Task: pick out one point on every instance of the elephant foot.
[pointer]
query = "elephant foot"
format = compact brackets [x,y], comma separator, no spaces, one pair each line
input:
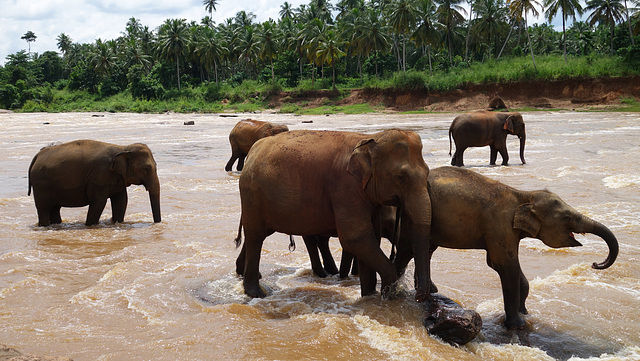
[433,288]
[523,310]
[254,291]
[331,270]
[320,272]
[514,323]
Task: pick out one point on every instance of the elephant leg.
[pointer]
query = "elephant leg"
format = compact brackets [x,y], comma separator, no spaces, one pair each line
[375,260]
[458,158]
[252,249]
[54,215]
[368,279]
[327,257]
[345,264]
[494,155]
[524,292]
[510,280]
[119,206]
[312,243]
[95,210]
[229,165]
[241,162]
[240,261]
[504,154]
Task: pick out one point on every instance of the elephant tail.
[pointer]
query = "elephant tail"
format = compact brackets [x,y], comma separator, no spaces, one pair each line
[238,239]
[29,174]
[449,141]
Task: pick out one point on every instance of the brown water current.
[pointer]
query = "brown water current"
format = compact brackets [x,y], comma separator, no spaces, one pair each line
[168,291]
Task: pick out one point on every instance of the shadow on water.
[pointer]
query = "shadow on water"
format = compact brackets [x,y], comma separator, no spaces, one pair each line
[559,345]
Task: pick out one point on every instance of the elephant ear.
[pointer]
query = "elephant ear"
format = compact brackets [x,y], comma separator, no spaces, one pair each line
[526,220]
[360,162]
[508,124]
[119,163]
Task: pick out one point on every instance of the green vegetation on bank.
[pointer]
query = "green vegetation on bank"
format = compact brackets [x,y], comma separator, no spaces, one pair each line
[403,45]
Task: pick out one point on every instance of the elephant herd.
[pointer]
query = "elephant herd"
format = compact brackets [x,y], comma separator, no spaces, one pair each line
[356,187]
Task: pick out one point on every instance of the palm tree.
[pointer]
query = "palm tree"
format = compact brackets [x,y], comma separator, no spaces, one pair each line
[606,12]
[426,32]
[30,37]
[569,8]
[402,16]
[626,11]
[309,37]
[449,16]
[469,23]
[210,5]
[286,11]
[64,43]
[329,51]
[491,18]
[374,33]
[268,45]
[103,58]
[173,40]
[518,9]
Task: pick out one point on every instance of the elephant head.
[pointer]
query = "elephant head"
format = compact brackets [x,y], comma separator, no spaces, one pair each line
[554,222]
[273,129]
[137,166]
[514,124]
[392,171]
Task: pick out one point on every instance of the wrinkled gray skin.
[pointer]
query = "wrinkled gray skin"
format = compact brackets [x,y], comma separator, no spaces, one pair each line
[471,211]
[482,128]
[244,134]
[331,184]
[88,172]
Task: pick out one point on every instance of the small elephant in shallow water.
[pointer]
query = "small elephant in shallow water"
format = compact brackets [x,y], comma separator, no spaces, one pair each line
[471,211]
[244,134]
[482,128]
[88,172]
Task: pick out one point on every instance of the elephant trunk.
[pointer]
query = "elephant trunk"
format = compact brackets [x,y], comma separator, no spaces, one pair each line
[603,232]
[154,197]
[418,212]
[523,139]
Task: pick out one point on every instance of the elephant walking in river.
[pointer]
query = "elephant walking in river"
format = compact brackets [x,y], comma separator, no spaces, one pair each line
[482,128]
[88,172]
[244,134]
[331,184]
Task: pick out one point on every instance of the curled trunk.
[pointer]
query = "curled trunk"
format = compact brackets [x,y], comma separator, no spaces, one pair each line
[603,232]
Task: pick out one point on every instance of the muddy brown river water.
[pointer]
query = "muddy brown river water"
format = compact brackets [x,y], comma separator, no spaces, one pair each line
[168,291]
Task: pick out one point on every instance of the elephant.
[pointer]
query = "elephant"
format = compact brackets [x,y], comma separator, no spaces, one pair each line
[87,172]
[481,128]
[244,134]
[331,183]
[471,211]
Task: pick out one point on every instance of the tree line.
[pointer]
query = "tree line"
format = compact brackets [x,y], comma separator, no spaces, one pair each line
[341,44]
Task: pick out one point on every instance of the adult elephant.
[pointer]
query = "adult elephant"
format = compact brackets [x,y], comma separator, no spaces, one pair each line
[471,211]
[482,128]
[244,134]
[330,183]
[88,172]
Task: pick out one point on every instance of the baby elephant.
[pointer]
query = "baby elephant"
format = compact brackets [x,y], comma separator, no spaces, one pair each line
[471,211]
[88,172]
[482,128]
[244,134]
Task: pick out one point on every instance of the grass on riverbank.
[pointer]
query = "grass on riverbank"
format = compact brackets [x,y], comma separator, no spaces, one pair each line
[254,96]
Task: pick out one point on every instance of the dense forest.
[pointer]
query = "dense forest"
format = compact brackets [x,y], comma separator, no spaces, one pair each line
[356,43]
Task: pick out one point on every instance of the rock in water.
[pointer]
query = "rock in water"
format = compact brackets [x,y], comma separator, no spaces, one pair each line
[450,322]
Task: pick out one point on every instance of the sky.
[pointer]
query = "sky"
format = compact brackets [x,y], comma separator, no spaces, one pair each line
[84,21]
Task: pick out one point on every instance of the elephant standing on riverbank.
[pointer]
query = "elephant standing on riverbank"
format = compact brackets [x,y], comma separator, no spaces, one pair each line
[244,134]
[88,172]
[331,183]
[482,128]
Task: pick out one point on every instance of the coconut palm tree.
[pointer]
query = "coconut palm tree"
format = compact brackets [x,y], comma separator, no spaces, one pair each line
[64,43]
[518,9]
[427,30]
[607,12]
[373,30]
[286,11]
[29,37]
[402,17]
[173,41]
[268,44]
[328,51]
[210,5]
[449,16]
[491,20]
[568,9]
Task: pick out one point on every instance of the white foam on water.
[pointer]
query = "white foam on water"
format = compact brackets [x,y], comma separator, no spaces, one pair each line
[621,181]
